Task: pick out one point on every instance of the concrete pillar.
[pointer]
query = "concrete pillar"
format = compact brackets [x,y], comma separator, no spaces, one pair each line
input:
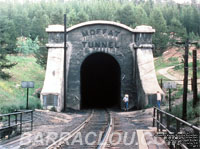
[147,83]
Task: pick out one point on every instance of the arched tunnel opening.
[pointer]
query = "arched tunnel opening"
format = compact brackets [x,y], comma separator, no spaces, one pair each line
[100,82]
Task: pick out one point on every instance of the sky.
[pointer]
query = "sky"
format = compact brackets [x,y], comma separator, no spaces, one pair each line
[182,1]
[178,1]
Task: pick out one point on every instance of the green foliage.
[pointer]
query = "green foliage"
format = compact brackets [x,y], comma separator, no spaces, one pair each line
[161,63]
[160,38]
[172,22]
[7,34]
[180,68]
[39,23]
[176,30]
[41,56]
[4,65]
[125,15]
[12,96]
[173,59]
[27,45]
[53,109]
[178,94]
[192,113]
[193,36]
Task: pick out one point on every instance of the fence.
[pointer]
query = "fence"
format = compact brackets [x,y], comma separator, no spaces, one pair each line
[159,116]
[9,123]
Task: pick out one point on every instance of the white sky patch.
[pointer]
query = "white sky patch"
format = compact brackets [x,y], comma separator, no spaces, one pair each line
[182,1]
[23,1]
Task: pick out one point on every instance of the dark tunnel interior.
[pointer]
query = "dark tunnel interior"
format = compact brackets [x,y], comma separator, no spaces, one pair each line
[100,82]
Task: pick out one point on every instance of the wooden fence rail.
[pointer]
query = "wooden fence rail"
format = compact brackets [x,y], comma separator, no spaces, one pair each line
[8,125]
[158,120]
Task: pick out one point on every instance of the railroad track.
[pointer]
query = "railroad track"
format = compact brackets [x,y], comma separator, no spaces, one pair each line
[92,133]
[20,141]
[98,122]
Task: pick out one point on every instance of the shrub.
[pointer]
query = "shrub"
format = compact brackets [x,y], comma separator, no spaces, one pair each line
[26,45]
[173,59]
[53,109]
[192,113]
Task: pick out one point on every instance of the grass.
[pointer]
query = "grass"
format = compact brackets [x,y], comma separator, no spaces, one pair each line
[12,96]
[192,113]
[180,69]
[161,63]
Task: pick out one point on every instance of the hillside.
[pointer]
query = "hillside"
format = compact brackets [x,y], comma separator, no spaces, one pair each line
[12,96]
[174,57]
[172,61]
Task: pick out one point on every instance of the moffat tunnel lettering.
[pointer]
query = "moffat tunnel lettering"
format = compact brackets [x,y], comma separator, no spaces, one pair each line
[92,32]
[98,44]
[104,61]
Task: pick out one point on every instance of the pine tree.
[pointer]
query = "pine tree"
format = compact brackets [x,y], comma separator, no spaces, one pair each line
[140,16]
[57,15]
[160,38]
[7,44]
[125,15]
[39,23]
[22,23]
[176,31]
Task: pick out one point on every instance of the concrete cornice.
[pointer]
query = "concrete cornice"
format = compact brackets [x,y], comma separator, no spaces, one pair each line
[56,45]
[60,28]
[144,29]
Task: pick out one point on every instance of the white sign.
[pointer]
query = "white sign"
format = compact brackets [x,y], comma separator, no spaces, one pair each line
[169,84]
[27,84]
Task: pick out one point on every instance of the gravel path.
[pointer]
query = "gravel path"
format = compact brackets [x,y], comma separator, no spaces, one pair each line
[175,76]
[48,126]
[126,124]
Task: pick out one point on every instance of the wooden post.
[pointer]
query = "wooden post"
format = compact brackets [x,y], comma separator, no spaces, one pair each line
[195,96]
[9,120]
[170,108]
[9,127]
[168,121]
[20,123]
[154,116]
[157,120]
[177,126]
[31,120]
[15,118]
[161,117]
[192,84]
[27,99]
[185,83]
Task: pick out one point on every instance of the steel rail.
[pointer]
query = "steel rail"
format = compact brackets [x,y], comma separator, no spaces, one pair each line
[62,140]
[105,138]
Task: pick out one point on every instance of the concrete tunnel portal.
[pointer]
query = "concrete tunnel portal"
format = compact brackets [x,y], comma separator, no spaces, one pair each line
[100,82]
[104,61]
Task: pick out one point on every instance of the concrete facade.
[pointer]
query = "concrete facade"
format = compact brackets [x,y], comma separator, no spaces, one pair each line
[131,48]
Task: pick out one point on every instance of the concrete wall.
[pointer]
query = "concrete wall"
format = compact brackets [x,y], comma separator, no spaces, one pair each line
[103,38]
[131,48]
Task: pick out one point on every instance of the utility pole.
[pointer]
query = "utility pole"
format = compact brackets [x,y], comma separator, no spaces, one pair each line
[64,69]
[195,97]
[185,81]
